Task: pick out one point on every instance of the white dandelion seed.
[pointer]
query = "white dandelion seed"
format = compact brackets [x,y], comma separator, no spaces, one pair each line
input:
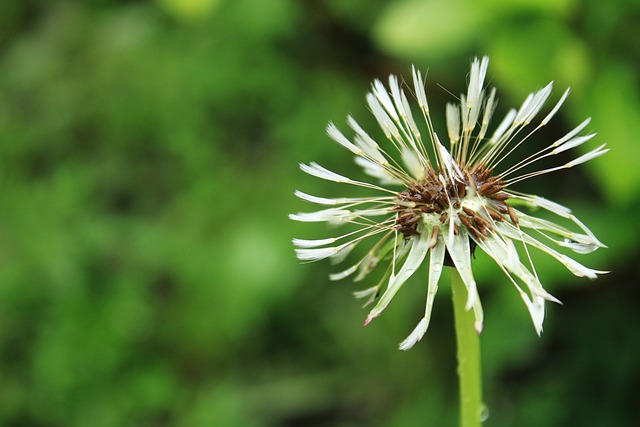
[441,203]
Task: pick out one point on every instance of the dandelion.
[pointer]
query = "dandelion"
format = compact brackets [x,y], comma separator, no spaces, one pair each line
[447,201]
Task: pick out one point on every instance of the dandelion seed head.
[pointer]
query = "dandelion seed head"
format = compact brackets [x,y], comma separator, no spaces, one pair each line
[440,204]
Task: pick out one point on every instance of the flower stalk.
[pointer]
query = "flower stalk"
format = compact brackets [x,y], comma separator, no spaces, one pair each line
[468,343]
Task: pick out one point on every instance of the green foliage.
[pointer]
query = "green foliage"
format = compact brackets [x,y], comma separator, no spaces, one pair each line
[148,155]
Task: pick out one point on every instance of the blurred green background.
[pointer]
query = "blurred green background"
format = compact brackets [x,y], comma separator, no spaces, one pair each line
[148,158]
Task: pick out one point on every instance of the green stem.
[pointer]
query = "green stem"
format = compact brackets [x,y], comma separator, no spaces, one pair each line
[471,407]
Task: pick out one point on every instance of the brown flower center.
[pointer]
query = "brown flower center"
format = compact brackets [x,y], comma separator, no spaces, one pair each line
[430,195]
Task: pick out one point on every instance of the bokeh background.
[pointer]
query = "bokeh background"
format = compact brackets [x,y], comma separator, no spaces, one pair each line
[148,158]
